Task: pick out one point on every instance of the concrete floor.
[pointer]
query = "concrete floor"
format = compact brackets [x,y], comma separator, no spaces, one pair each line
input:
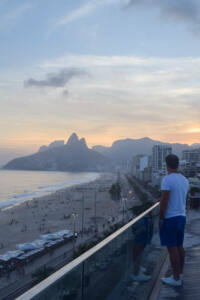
[190,290]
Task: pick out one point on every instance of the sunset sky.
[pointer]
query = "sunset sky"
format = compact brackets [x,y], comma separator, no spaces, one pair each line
[105,69]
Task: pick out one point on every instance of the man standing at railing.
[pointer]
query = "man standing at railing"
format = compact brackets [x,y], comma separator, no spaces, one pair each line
[174,189]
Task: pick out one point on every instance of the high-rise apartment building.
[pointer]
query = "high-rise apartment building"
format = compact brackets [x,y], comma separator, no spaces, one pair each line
[191,156]
[141,167]
[158,158]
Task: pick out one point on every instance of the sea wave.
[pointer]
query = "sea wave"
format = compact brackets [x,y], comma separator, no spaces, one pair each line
[40,190]
[25,195]
[8,203]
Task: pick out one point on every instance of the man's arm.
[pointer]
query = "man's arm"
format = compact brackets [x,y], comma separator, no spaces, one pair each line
[164,203]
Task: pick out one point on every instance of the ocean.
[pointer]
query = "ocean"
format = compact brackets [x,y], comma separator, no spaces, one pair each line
[18,186]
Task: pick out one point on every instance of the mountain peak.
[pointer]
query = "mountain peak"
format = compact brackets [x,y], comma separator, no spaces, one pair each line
[72,139]
[83,142]
[146,138]
[55,144]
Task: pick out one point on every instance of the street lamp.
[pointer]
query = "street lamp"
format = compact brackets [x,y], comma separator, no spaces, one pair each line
[83,214]
[82,209]
[130,192]
[123,205]
[131,195]
[95,212]
[74,215]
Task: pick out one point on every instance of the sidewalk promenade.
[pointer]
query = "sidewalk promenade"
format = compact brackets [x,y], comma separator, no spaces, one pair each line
[191,282]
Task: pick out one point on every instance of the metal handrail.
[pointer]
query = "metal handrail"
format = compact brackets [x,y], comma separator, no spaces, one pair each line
[40,287]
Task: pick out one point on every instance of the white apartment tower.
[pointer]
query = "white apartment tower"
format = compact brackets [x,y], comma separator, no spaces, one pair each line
[158,159]
[192,155]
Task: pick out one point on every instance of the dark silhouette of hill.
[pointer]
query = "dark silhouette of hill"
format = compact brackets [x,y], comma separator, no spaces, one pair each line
[51,145]
[76,156]
[73,156]
[122,150]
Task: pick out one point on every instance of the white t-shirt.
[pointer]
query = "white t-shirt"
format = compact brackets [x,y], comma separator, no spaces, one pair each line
[178,186]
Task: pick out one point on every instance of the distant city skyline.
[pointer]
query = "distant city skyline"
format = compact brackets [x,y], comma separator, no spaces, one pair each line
[106,69]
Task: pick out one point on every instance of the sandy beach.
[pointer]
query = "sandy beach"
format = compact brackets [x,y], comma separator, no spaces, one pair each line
[51,213]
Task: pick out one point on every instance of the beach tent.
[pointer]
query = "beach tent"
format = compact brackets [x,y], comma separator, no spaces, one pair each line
[32,253]
[53,243]
[50,236]
[14,254]
[5,257]
[39,243]
[26,246]
[65,233]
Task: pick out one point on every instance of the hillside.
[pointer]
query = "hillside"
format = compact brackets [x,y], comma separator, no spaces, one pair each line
[73,156]
[122,150]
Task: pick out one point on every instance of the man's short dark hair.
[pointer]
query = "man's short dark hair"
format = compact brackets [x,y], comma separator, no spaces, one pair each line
[172,161]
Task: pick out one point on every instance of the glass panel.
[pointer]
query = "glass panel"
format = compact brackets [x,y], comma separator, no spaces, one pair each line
[145,259]
[126,268]
[69,287]
[106,268]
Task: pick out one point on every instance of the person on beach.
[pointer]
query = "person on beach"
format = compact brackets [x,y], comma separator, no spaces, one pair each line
[174,189]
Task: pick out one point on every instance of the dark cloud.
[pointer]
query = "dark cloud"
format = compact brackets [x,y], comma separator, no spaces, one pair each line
[65,93]
[56,80]
[187,11]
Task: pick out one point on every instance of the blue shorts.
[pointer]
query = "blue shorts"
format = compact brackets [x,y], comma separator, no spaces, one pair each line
[172,231]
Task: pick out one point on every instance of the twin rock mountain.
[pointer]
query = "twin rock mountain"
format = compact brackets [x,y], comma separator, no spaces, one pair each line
[75,156]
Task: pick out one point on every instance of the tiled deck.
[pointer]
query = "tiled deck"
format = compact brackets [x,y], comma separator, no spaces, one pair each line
[190,289]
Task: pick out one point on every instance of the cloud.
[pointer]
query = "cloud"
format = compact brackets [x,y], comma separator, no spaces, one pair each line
[128,95]
[85,61]
[77,14]
[9,19]
[181,10]
[65,93]
[84,10]
[177,10]
[56,80]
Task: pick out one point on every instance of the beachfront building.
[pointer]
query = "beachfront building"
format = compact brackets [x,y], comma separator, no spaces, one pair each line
[191,156]
[194,192]
[159,153]
[141,167]
[136,165]
[191,167]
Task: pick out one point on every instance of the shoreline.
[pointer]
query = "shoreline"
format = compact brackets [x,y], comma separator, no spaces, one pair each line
[50,189]
[51,213]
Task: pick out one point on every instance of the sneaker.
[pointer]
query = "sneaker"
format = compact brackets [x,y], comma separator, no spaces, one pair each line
[140,277]
[171,281]
[180,276]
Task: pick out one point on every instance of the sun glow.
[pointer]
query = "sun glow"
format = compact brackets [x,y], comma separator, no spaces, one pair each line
[194,130]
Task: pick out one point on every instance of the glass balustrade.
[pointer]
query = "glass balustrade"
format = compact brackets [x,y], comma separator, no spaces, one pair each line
[123,266]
